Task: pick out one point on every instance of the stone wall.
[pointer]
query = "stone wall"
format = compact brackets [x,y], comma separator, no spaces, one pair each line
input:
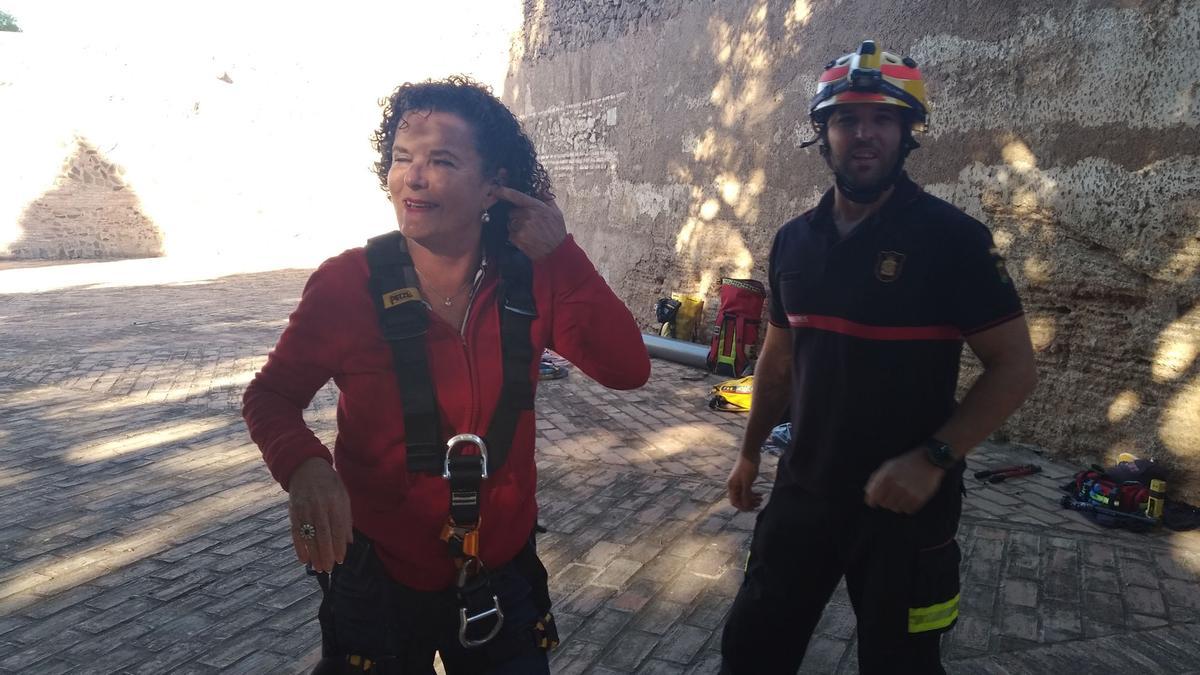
[90,212]
[250,143]
[672,129]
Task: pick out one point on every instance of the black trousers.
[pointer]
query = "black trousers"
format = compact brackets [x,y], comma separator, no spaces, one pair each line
[901,573]
[365,615]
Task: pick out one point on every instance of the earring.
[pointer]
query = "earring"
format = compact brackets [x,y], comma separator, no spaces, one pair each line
[485,218]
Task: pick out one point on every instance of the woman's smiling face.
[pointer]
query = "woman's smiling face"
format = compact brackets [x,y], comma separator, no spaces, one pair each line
[436,179]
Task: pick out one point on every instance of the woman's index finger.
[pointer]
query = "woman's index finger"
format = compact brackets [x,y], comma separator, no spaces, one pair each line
[517,198]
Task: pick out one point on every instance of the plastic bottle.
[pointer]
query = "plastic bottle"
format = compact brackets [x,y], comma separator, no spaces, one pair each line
[1158,493]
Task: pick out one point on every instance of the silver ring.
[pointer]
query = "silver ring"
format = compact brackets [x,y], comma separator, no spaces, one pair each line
[307,531]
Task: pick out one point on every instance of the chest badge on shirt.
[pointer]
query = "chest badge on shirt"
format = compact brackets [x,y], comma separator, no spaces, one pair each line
[888,266]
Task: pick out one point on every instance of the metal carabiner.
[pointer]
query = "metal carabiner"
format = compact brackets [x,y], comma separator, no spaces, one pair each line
[473,440]
[465,621]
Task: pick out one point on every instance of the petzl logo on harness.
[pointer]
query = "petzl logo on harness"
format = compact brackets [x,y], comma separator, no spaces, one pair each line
[888,268]
[399,297]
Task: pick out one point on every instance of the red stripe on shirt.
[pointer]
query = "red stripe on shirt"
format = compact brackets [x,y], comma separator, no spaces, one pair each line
[841,326]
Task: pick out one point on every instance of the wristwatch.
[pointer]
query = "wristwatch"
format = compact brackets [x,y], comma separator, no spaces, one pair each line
[939,454]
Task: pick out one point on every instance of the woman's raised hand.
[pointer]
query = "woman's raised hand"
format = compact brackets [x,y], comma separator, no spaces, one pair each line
[534,226]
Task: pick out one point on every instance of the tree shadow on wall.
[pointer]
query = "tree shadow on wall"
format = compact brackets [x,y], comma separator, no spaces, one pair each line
[1111,288]
[91,212]
[1103,241]
[718,144]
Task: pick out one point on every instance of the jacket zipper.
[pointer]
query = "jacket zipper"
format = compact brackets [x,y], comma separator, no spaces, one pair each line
[472,375]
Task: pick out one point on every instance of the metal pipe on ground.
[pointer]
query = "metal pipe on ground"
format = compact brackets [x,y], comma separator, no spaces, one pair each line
[686,353]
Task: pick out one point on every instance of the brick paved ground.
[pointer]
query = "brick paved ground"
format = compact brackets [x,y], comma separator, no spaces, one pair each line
[141,533]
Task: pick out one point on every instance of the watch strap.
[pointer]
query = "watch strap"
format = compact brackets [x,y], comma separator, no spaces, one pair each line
[940,454]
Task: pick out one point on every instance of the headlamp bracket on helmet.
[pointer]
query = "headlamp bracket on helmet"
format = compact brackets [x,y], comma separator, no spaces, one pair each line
[865,79]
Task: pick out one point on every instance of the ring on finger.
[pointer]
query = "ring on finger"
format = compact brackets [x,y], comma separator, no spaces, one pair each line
[307,531]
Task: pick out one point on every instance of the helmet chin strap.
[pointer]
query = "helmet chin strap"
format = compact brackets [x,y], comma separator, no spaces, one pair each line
[869,195]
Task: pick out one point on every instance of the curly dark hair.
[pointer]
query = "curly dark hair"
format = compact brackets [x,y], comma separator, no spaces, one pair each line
[499,138]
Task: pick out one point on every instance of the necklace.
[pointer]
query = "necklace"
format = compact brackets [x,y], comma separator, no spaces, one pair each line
[448,300]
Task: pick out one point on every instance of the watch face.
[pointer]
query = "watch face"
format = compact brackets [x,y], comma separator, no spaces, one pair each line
[940,453]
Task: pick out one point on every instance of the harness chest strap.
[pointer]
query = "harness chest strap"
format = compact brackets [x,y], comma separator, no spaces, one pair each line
[404,321]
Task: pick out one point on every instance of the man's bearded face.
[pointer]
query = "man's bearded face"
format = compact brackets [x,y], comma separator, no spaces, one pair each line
[864,143]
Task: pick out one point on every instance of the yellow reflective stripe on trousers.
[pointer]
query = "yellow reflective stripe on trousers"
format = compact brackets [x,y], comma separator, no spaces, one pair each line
[933,617]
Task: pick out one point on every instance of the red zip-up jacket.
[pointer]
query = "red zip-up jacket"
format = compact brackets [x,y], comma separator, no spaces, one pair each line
[334,333]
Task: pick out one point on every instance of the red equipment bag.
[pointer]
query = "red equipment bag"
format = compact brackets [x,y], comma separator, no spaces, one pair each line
[1097,487]
[735,334]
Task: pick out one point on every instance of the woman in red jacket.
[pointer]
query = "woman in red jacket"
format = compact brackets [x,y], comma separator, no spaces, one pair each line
[433,551]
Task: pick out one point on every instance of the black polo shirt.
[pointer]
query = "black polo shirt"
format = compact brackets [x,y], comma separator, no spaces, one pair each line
[878,321]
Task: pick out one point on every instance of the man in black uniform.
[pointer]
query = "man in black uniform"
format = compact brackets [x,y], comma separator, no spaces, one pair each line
[873,293]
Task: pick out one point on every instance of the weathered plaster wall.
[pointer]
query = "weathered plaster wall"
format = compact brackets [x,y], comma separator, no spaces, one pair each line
[672,129]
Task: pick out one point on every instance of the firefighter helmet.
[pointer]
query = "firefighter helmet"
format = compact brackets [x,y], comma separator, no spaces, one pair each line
[871,75]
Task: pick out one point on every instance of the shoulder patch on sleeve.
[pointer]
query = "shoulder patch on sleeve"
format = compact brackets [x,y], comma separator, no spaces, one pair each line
[1001,267]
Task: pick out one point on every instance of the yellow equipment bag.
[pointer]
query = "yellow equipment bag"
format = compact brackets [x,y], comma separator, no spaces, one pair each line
[688,317]
[732,395]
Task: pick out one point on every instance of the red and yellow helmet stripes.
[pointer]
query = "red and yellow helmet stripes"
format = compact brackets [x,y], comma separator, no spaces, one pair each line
[871,75]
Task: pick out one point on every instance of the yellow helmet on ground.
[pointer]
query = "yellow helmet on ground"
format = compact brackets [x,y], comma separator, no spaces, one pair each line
[871,75]
[732,395]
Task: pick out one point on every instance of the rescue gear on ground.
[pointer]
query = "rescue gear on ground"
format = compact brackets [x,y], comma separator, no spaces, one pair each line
[732,395]
[664,312]
[1130,495]
[552,366]
[1109,502]
[1005,472]
[1172,514]
[736,332]
[1130,468]
[679,315]
[1096,486]
[1158,494]
[779,439]
[1109,517]
[687,319]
